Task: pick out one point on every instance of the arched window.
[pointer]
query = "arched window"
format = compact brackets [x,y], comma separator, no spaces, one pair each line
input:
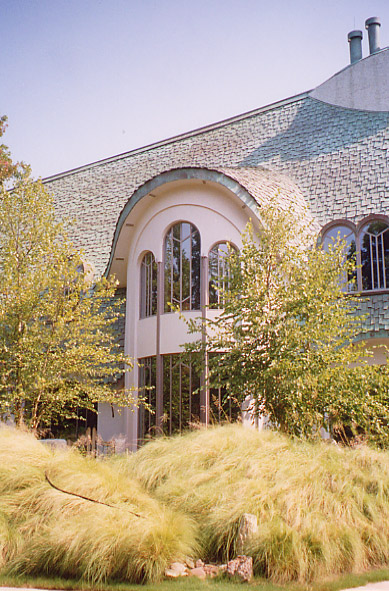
[148,286]
[346,234]
[374,245]
[182,267]
[219,273]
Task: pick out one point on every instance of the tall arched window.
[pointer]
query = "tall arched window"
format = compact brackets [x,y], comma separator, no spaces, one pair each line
[219,273]
[182,267]
[346,234]
[374,245]
[148,286]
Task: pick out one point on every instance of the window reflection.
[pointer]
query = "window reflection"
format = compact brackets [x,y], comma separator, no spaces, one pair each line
[148,286]
[181,394]
[374,241]
[219,273]
[345,234]
[182,267]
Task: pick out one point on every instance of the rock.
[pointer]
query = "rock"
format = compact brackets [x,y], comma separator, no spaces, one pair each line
[177,569]
[241,566]
[199,563]
[189,563]
[198,572]
[248,528]
[211,570]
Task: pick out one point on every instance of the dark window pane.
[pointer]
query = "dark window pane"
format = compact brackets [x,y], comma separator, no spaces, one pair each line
[181,396]
[219,273]
[147,383]
[345,234]
[182,267]
[148,286]
[374,255]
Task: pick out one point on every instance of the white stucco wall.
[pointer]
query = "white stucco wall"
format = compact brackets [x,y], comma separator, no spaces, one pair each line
[219,215]
[363,85]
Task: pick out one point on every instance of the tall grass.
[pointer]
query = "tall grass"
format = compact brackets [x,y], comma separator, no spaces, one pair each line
[44,531]
[322,509]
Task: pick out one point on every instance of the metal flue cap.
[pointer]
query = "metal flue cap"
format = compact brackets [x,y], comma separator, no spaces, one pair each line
[354,34]
[373,27]
[355,40]
[373,20]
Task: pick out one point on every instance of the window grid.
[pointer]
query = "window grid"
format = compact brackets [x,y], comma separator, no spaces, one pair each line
[182,267]
[147,391]
[181,400]
[219,273]
[374,248]
[148,286]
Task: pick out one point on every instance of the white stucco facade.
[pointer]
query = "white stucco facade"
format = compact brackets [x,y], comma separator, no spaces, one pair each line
[220,216]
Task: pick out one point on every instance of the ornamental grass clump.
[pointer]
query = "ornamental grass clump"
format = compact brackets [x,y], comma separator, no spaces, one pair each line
[322,509]
[45,531]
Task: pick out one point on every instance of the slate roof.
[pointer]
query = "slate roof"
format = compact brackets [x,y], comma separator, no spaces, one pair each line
[337,157]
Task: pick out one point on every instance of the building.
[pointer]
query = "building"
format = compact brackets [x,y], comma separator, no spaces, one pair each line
[159,217]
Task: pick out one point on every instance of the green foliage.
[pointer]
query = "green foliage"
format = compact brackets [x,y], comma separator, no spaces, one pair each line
[58,347]
[286,335]
[322,509]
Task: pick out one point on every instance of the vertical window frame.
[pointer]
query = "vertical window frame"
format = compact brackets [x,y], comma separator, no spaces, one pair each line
[148,293]
[219,278]
[174,289]
[376,260]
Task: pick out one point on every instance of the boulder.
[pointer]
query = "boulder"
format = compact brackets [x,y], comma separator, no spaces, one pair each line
[248,528]
[211,570]
[242,567]
[198,572]
[177,569]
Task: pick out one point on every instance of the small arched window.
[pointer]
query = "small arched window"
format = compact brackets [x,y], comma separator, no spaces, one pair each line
[219,273]
[148,286]
[374,245]
[343,233]
[182,267]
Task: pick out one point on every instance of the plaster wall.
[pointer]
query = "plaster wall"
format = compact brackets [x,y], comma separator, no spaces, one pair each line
[219,215]
[363,85]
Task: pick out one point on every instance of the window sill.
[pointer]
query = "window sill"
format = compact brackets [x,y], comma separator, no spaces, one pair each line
[370,292]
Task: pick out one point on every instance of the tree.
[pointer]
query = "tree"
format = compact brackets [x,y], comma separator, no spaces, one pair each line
[286,337]
[58,346]
[8,168]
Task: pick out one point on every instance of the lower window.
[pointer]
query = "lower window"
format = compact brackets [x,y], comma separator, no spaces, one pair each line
[181,394]
[147,391]
[181,397]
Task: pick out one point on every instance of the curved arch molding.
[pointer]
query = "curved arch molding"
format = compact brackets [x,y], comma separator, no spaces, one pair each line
[253,186]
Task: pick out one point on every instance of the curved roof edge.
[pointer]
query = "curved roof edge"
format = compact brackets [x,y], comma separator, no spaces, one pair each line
[362,86]
[253,186]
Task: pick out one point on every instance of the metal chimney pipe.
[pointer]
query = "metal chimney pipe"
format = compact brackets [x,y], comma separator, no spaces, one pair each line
[373,28]
[355,40]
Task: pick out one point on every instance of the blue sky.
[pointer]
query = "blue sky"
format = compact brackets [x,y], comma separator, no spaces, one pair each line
[87,79]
